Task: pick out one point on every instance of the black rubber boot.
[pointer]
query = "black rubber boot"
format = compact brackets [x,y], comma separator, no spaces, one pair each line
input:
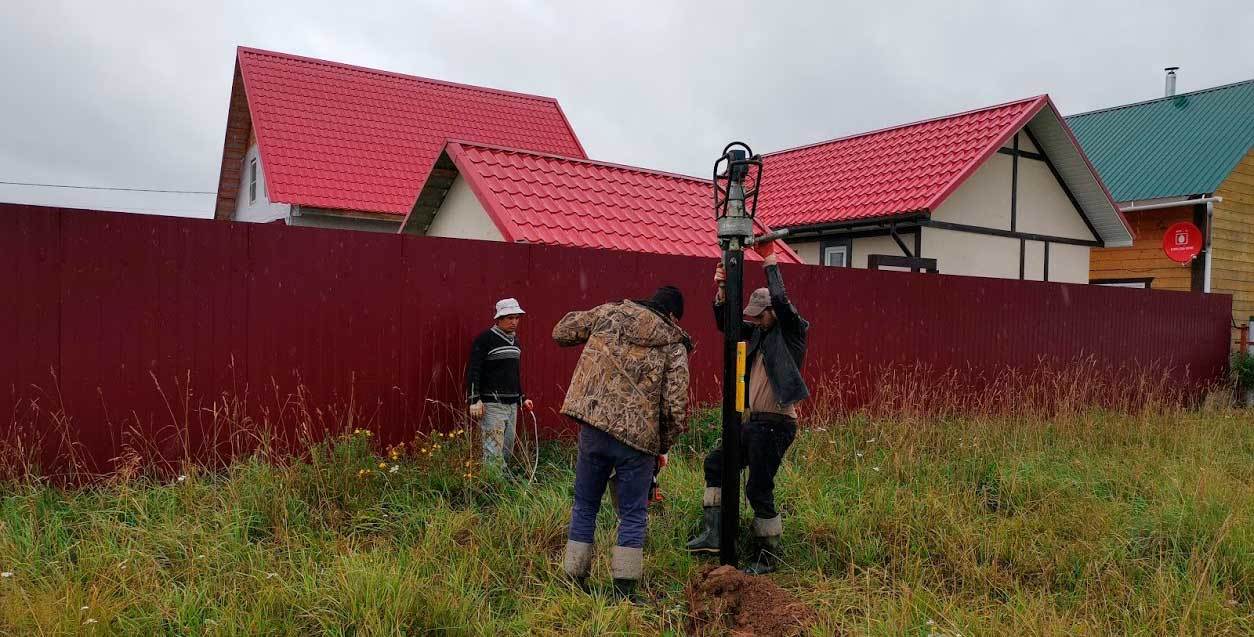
[707,541]
[625,589]
[766,551]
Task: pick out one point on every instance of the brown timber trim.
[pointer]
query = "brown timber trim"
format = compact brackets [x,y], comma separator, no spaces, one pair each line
[960,227]
[239,126]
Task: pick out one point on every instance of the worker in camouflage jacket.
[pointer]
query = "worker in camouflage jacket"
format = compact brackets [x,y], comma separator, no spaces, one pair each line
[630,396]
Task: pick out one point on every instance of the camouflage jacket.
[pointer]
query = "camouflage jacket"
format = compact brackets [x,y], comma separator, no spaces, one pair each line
[632,378]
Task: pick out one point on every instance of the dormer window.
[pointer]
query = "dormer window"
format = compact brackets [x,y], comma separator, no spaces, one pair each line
[252,180]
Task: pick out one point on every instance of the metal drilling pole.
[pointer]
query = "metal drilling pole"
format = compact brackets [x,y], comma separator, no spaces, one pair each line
[733,262]
[734,229]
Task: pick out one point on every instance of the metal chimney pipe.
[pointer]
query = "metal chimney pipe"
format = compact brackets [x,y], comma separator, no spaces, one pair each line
[1170,89]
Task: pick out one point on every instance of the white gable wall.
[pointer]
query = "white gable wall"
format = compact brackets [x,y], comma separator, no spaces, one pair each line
[461,216]
[1068,263]
[982,200]
[261,210]
[1042,207]
[972,254]
[808,251]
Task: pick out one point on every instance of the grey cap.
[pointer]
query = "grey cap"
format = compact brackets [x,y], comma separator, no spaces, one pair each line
[759,301]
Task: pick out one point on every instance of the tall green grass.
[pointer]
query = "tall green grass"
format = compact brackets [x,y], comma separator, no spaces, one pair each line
[1089,523]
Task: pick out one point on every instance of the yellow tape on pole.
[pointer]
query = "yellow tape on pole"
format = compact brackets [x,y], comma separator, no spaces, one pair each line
[740,376]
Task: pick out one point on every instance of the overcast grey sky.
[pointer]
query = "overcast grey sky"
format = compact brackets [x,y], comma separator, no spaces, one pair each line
[134,94]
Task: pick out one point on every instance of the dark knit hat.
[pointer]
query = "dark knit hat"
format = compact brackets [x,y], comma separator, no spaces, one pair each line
[669,299]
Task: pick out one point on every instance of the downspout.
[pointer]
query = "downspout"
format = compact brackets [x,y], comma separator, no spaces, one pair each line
[1210,216]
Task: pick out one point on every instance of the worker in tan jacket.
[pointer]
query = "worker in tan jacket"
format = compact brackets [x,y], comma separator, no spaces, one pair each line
[630,396]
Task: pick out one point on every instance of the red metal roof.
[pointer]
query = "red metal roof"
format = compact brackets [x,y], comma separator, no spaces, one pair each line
[567,201]
[904,169]
[346,137]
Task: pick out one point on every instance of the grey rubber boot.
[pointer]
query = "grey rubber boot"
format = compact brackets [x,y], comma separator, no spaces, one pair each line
[766,546]
[626,566]
[707,541]
[577,563]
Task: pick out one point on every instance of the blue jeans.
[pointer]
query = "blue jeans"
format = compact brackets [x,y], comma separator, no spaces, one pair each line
[599,455]
[497,425]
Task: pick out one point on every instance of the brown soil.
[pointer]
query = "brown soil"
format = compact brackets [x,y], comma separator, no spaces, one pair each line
[724,600]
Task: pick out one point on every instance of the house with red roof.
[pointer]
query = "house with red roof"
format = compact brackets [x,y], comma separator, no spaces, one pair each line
[317,143]
[1003,191]
[506,194]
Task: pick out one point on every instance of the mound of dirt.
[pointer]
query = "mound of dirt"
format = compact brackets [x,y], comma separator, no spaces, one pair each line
[723,599]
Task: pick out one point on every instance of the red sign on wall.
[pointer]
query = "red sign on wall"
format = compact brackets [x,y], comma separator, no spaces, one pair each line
[1182,242]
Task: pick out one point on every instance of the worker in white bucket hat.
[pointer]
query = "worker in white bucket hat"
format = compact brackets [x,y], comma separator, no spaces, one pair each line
[494,382]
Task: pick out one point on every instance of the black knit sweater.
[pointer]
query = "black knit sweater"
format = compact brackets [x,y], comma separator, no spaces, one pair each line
[492,374]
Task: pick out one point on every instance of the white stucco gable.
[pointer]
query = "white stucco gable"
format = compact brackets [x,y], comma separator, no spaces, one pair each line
[1041,207]
[461,216]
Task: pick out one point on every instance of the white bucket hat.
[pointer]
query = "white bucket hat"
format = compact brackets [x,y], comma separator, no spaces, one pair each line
[508,307]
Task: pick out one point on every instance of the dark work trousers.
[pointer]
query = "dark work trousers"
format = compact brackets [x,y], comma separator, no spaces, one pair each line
[763,442]
[599,455]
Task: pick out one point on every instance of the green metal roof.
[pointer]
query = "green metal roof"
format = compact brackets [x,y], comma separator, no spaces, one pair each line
[1172,146]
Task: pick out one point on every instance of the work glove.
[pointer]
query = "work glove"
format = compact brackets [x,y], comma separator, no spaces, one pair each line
[764,249]
[655,491]
[476,410]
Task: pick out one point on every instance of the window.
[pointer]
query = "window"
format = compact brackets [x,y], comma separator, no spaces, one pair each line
[252,180]
[836,253]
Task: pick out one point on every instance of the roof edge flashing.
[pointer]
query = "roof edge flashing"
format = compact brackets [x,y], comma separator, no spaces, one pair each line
[1054,136]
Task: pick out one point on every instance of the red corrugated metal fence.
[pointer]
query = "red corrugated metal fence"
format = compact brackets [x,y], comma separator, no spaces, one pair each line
[118,305]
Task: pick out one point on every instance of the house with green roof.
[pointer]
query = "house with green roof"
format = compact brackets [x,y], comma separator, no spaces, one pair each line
[1186,157]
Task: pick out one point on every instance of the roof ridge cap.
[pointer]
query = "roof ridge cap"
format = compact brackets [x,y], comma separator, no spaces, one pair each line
[1117,107]
[394,74]
[593,162]
[906,125]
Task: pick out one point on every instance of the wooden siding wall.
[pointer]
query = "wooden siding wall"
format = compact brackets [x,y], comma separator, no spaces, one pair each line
[1145,258]
[1232,266]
